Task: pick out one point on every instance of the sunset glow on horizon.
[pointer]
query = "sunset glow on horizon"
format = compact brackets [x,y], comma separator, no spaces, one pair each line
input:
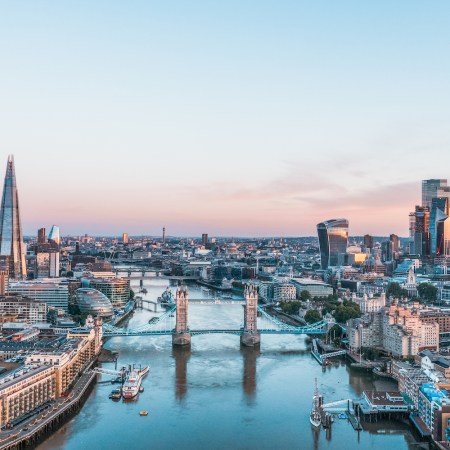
[232,119]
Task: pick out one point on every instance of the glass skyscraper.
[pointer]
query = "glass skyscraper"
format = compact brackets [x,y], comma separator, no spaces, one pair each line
[442,234]
[438,205]
[54,235]
[11,241]
[434,188]
[333,238]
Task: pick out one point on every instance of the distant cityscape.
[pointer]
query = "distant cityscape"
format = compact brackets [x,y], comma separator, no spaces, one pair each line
[380,302]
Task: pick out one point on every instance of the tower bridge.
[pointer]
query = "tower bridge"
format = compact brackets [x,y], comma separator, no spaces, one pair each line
[174,322]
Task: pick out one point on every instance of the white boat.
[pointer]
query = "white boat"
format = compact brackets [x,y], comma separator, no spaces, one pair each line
[315,417]
[133,382]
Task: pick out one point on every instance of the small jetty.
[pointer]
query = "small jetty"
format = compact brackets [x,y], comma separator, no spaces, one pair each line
[323,358]
[354,420]
[344,409]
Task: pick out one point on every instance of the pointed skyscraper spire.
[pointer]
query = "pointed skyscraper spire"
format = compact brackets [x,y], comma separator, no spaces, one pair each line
[11,240]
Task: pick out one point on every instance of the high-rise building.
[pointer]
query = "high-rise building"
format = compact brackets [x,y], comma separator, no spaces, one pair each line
[333,238]
[47,264]
[387,251]
[395,242]
[368,242]
[432,189]
[11,241]
[42,238]
[419,231]
[125,238]
[54,235]
[442,235]
[205,239]
[437,204]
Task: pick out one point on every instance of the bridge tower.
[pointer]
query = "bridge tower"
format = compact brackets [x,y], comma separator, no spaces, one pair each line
[182,335]
[250,336]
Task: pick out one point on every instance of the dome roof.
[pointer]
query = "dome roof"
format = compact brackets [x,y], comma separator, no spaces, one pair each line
[94,302]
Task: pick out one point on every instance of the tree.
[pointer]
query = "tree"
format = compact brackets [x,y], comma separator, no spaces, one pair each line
[346,311]
[331,303]
[305,295]
[370,353]
[396,291]
[312,316]
[427,292]
[290,307]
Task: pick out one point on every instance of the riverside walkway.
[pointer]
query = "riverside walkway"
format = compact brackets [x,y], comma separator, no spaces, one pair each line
[32,430]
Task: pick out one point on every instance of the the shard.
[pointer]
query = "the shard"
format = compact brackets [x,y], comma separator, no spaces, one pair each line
[11,240]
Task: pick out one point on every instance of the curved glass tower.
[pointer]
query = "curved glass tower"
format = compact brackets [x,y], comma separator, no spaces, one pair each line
[333,237]
[54,234]
[11,241]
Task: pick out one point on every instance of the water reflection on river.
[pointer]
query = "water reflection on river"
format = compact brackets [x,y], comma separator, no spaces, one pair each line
[220,396]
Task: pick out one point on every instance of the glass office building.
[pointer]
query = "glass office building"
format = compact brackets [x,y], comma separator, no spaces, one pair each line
[432,189]
[54,235]
[53,293]
[94,302]
[438,205]
[11,241]
[116,289]
[333,238]
[442,234]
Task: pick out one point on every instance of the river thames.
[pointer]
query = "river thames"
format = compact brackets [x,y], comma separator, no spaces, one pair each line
[221,396]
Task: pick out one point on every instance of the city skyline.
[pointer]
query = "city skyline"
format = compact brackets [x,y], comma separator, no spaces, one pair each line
[255,119]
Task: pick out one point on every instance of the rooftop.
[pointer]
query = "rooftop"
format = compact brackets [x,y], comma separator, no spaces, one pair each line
[434,394]
[19,374]
[380,398]
[309,281]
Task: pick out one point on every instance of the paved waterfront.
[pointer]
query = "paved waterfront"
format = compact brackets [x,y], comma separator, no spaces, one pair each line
[36,422]
[218,396]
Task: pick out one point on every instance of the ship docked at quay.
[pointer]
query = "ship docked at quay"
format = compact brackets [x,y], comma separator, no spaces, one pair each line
[315,416]
[133,382]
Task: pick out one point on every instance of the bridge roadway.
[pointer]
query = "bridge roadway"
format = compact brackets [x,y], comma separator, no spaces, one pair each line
[131,333]
[166,327]
[205,301]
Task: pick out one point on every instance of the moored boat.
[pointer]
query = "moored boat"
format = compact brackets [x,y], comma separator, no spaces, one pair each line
[133,382]
[315,417]
[116,394]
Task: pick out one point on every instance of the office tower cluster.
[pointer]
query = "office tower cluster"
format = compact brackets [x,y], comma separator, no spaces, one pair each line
[429,226]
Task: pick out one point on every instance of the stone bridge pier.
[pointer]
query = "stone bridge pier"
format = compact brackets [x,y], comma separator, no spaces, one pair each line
[182,335]
[250,337]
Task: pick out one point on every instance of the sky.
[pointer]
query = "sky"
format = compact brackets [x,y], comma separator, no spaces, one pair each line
[236,118]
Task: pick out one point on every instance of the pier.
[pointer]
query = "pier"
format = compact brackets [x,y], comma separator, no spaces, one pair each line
[321,358]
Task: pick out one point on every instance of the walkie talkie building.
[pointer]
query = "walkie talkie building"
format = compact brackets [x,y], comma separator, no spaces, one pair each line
[333,237]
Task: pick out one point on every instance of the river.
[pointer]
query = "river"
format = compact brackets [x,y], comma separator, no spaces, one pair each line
[219,396]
